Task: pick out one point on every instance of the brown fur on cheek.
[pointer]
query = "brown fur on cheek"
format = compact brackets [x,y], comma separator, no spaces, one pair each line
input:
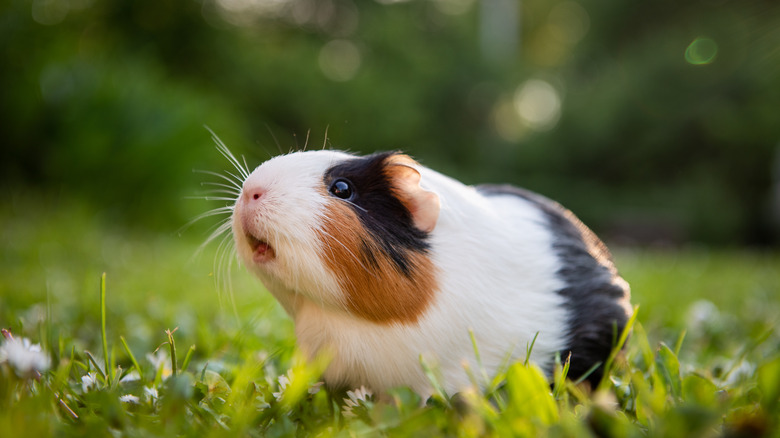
[375,288]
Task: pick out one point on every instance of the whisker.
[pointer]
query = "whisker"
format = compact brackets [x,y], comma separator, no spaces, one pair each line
[349,298]
[211,198]
[246,166]
[278,146]
[350,252]
[306,143]
[325,140]
[222,280]
[227,188]
[221,228]
[231,257]
[233,183]
[214,212]
[234,161]
[244,172]
[215,231]
[333,255]
[228,191]
[297,147]
[226,244]
[227,154]
[228,209]
[223,185]
[355,205]
[235,176]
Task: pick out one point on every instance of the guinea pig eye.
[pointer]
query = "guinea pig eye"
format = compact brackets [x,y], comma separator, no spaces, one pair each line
[342,188]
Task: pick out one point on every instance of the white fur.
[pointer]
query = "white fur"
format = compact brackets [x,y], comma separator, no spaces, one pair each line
[288,216]
[496,275]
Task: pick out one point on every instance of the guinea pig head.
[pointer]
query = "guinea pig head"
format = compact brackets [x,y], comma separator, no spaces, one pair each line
[347,233]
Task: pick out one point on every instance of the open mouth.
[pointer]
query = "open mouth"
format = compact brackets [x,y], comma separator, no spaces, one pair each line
[261,250]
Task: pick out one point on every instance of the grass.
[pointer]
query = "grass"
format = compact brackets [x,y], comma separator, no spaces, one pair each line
[152,348]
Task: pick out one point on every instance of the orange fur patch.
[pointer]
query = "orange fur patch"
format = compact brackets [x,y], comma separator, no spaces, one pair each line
[375,288]
[423,205]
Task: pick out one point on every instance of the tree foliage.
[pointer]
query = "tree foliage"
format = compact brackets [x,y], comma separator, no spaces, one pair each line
[654,122]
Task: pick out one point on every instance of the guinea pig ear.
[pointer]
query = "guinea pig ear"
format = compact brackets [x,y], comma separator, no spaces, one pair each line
[422,204]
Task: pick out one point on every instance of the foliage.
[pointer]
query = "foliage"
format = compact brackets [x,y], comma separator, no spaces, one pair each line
[646,120]
[178,364]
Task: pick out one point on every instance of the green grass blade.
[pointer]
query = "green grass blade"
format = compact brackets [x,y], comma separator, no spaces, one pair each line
[187,358]
[482,370]
[560,376]
[438,389]
[132,357]
[97,367]
[172,344]
[618,347]
[529,349]
[669,368]
[103,324]
[678,344]
[587,373]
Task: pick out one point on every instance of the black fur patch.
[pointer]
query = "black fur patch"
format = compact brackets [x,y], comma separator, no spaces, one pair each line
[591,294]
[382,214]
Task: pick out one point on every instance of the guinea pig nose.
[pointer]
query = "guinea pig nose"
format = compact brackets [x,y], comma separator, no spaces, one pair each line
[254,194]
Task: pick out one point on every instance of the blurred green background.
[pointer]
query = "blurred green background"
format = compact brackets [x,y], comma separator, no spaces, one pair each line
[658,123]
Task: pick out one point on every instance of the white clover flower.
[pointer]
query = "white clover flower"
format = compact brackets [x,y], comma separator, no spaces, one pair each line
[88,381]
[740,372]
[357,397]
[160,359]
[261,404]
[284,381]
[150,393]
[315,387]
[132,376]
[130,398]
[703,313]
[24,357]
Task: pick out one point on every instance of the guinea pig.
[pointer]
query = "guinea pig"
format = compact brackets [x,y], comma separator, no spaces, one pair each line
[381,261]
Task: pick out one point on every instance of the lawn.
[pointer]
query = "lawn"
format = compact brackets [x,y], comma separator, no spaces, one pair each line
[703,359]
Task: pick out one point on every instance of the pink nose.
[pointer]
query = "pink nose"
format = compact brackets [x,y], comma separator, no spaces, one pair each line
[253,194]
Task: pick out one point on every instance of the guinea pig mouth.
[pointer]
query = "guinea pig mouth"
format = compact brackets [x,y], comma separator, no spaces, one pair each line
[261,250]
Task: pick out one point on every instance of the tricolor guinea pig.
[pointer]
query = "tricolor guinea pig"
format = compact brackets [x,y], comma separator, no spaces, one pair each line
[381,261]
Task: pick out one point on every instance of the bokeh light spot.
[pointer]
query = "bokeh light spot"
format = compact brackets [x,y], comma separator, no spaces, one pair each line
[701,51]
[49,12]
[454,7]
[538,104]
[339,60]
[570,22]
[506,123]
